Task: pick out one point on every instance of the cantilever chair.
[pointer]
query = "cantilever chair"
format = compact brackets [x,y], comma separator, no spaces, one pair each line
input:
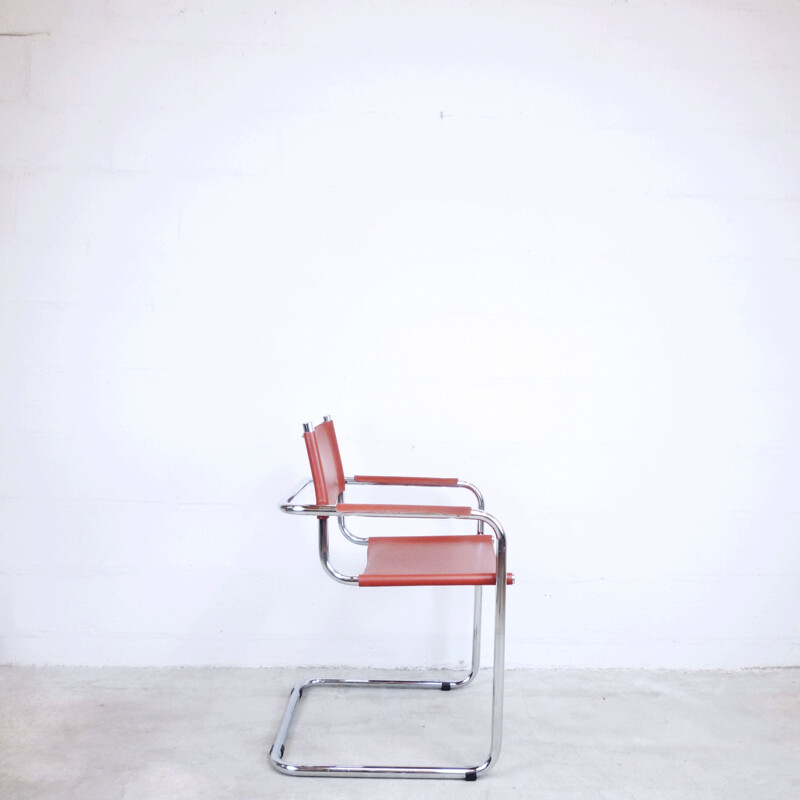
[474,559]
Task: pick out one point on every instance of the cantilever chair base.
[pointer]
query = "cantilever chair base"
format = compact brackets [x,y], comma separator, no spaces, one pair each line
[469,773]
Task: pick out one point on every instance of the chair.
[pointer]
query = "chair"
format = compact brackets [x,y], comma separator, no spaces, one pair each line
[474,559]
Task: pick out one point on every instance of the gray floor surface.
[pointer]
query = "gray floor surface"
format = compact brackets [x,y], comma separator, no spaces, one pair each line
[139,734]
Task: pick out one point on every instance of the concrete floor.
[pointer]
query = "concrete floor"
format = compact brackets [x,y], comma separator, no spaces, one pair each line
[139,734]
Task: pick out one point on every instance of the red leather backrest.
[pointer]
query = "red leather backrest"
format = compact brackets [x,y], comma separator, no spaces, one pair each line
[325,462]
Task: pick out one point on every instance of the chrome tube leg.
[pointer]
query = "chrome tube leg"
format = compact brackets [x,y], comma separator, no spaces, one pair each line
[476,642]
[498,684]
[498,687]
[476,631]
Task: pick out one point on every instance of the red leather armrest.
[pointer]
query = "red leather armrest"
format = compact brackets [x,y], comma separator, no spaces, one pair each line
[390,480]
[402,510]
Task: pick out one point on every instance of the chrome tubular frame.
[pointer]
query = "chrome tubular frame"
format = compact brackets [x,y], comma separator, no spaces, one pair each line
[346,532]
[325,559]
[470,772]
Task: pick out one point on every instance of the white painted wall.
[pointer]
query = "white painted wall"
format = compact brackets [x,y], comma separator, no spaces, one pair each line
[551,247]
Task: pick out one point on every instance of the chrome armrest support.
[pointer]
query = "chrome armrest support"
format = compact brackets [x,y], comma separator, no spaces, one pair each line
[347,533]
